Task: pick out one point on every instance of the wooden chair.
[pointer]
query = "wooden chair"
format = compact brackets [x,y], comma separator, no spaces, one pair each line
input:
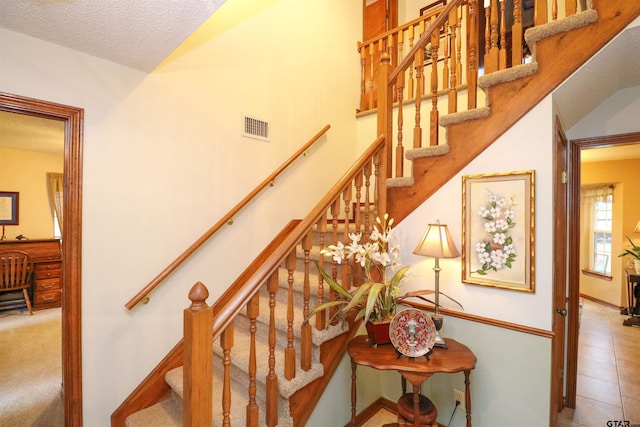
[15,275]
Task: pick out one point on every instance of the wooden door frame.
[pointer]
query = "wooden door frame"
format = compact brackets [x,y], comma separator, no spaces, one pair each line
[560,198]
[73,119]
[573,220]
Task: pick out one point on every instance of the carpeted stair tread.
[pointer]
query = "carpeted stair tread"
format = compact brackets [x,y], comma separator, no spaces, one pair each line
[162,414]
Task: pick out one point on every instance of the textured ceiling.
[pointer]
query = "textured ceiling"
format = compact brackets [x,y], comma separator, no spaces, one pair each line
[137,33]
[615,67]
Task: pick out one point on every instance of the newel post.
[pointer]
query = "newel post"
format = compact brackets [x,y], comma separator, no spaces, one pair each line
[385,127]
[198,359]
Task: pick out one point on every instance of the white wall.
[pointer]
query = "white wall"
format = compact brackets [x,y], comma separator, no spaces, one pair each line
[502,355]
[164,160]
[615,115]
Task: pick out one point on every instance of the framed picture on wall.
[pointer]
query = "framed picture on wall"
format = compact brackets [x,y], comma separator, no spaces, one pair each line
[9,208]
[498,230]
[431,6]
[441,52]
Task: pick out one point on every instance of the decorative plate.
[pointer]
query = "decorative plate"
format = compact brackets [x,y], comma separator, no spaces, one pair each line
[412,332]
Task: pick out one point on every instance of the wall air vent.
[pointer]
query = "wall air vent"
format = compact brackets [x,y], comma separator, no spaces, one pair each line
[254,128]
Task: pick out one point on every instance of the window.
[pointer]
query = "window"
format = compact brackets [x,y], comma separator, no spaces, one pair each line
[597,218]
[56,226]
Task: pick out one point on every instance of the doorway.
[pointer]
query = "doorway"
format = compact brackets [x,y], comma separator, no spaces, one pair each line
[71,246]
[574,153]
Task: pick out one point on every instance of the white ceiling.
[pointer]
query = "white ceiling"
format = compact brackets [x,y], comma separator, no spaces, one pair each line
[137,33]
[615,67]
[141,33]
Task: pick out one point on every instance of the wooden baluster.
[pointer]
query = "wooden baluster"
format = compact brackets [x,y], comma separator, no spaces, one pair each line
[540,12]
[487,36]
[357,212]
[253,310]
[290,351]
[335,212]
[226,342]
[417,130]
[421,88]
[371,100]
[346,265]
[367,197]
[400,57]
[494,49]
[446,56]
[321,318]
[472,55]
[400,136]
[502,56]
[271,411]
[453,80]
[410,86]
[358,181]
[198,359]
[378,176]
[554,10]
[435,114]
[305,333]
[516,34]
[363,78]
[459,48]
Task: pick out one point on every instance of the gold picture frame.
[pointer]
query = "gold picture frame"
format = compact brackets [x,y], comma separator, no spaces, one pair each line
[498,230]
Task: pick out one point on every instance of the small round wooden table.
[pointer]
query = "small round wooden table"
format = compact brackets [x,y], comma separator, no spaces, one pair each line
[456,358]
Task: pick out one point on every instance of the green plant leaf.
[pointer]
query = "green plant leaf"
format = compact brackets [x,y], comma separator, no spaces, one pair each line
[334,285]
[372,297]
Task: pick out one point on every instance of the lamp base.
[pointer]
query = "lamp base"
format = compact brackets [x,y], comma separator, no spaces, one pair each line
[438,321]
[440,342]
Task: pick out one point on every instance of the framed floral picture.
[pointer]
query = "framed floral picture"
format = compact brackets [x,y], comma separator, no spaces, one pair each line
[498,223]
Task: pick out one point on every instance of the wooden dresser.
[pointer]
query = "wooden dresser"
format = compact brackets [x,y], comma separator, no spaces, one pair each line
[46,254]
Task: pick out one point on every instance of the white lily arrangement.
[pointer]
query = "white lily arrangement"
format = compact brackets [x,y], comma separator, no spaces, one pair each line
[376,298]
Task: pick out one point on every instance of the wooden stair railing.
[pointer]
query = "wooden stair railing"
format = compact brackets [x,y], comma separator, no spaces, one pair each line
[467,138]
[350,205]
[437,58]
[142,295]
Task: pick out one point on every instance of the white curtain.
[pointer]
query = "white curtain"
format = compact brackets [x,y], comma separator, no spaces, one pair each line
[55,184]
[589,196]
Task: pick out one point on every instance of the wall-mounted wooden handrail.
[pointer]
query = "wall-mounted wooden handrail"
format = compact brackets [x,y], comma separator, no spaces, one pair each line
[248,283]
[218,225]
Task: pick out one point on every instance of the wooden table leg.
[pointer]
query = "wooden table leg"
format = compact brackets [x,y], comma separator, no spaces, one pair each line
[353,392]
[416,405]
[467,394]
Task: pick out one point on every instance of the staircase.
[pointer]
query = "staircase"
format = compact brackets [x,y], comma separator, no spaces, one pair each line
[168,412]
[282,281]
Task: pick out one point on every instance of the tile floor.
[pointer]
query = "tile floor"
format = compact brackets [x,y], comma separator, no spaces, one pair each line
[608,386]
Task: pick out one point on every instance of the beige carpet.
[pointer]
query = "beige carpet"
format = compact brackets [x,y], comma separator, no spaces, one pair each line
[31,369]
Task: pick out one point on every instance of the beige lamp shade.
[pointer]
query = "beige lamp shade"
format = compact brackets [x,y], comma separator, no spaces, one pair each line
[437,242]
[637,229]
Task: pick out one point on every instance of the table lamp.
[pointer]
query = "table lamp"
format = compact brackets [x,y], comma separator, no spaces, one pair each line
[437,242]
